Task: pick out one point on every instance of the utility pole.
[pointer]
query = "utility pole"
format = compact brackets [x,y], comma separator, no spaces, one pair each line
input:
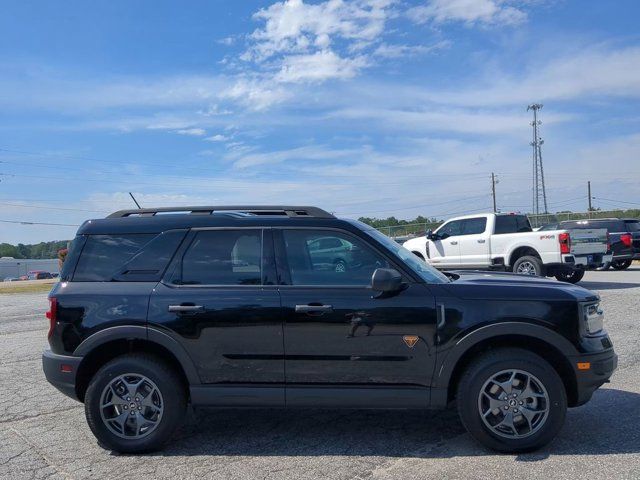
[493,191]
[539,193]
[589,193]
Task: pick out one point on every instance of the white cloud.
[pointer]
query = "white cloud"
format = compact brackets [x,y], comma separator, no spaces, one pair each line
[293,26]
[217,138]
[385,50]
[192,132]
[588,71]
[487,12]
[319,66]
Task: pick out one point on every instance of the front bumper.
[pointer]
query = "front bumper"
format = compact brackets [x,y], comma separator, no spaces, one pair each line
[60,371]
[601,367]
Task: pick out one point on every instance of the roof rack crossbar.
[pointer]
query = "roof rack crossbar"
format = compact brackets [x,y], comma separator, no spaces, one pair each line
[290,211]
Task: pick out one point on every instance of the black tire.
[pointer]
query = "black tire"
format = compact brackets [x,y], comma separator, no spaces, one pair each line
[168,382]
[419,255]
[570,276]
[621,264]
[484,368]
[535,263]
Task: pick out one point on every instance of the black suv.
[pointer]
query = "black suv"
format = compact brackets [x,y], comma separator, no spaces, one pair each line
[624,237]
[234,307]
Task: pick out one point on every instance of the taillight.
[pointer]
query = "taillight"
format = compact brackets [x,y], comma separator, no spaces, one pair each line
[565,242]
[52,314]
[626,239]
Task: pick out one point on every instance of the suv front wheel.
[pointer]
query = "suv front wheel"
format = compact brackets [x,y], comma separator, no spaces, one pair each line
[134,403]
[512,400]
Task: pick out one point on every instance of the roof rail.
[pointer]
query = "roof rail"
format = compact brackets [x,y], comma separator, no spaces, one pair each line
[290,211]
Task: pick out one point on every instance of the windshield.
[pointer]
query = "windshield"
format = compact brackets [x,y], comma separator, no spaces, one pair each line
[422,268]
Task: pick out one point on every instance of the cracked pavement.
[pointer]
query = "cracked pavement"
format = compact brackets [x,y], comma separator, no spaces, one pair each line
[43,434]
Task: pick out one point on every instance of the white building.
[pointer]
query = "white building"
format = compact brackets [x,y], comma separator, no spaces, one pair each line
[15,267]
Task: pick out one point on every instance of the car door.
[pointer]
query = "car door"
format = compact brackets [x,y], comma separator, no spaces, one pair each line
[219,300]
[445,251]
[339,338]
[474,243]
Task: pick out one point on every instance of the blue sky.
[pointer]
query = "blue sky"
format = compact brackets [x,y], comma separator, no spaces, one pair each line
[364,107]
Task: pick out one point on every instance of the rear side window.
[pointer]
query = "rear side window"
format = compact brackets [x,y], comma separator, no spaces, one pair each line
[222,257]
[511,224]
[632,226]
[104,255]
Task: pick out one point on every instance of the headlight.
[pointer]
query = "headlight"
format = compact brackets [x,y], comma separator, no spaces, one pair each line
[593,318]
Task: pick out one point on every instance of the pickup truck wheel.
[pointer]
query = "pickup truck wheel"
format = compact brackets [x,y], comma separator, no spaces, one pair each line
[570,276]
[528,265]
[134,403]
[621,264]
[512,400]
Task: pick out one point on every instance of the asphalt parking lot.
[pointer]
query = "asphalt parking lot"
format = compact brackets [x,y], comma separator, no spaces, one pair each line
[44,435]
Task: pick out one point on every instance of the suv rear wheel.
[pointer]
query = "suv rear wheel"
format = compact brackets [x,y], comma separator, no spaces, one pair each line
[134,403]
[570,276]
[512,400]
[621,264]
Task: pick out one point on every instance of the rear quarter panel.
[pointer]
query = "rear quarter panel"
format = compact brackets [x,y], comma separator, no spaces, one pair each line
[85,308]
[545,243]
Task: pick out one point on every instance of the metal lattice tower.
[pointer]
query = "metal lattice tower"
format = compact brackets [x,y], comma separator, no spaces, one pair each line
[539,193]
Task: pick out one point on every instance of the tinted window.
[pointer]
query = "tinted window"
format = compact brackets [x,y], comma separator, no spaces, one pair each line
[352,263]
[222,257]
[451,228]
[104,255]
[611,226]
[149,264]
[511,224]
[632,226]
[472,226]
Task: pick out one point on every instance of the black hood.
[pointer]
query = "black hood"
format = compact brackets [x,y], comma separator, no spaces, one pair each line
[509,286]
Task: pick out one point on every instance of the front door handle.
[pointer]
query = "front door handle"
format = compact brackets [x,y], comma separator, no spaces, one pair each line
[185,308]
[481,240]
[454,243]
[314,309]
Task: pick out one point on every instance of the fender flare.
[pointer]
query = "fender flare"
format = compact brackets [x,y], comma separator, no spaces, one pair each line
[140,332]
[471,339]
[515,247]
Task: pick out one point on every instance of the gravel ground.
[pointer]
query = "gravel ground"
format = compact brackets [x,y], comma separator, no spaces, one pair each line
[44,435]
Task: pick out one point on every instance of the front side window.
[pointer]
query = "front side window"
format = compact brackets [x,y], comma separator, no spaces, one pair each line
[318,257]
[450,229]
[222,257]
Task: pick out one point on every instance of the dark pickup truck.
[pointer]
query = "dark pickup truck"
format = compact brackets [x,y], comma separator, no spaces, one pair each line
[291,307]
[624,237]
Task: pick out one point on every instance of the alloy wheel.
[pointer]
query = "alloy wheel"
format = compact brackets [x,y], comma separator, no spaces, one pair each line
[513,404]
[131,406]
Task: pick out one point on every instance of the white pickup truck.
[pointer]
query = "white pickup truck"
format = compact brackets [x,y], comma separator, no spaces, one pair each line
[507,242]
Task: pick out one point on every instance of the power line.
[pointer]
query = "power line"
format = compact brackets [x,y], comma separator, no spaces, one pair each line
[43,207]
[25,222]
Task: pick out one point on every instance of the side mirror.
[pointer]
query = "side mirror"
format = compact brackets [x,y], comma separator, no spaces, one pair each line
[429,234]
[386,280]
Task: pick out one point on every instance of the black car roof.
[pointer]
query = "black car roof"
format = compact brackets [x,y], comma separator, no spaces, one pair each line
[162,219]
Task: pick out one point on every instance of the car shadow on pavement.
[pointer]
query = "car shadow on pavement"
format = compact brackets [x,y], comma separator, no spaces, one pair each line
[598,428]
[607,285]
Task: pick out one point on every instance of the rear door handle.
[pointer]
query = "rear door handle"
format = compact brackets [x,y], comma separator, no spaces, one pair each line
[314,309]
[454,243]
[481,240]
[185,308]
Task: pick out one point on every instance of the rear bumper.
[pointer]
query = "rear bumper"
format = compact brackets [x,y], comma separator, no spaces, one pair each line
[601,367]
[588,261]
[60,371]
